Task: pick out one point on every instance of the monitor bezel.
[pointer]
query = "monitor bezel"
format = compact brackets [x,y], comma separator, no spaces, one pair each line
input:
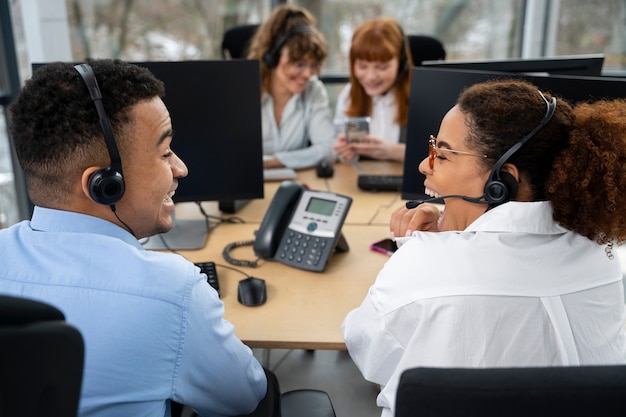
[580,65]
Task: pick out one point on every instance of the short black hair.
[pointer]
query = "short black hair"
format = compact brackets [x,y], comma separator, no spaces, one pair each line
[55,127]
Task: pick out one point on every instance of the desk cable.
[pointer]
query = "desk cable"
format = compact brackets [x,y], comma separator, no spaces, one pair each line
[361,168]
[239,262]
[380,207]
[234,269]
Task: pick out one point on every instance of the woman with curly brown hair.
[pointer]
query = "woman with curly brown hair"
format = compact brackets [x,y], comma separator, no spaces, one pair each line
[296,119]
[522,270]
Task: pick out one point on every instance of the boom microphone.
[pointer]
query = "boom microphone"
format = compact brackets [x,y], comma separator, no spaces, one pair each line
[414,203]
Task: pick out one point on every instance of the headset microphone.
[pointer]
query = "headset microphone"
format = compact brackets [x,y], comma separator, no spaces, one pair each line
[414,203]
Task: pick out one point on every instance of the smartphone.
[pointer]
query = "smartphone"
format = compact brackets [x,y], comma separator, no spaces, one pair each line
[386,246]
[357,128]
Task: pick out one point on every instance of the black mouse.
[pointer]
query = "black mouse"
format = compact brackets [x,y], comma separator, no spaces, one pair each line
[325,169]
[251,291]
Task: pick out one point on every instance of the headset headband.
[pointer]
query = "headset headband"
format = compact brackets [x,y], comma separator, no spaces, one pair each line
[86,72]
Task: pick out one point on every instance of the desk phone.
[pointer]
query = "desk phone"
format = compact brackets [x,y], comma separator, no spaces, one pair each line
[302,227]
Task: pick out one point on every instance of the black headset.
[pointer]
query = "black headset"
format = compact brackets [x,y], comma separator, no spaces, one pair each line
[106,185]
[403,60]
[502,186]
[272,57]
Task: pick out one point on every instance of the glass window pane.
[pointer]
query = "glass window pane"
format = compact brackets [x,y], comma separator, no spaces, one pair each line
[156,30]
[469,29]
[593,26]
[486,29]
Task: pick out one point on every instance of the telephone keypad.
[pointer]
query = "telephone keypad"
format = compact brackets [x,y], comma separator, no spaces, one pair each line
[301,250]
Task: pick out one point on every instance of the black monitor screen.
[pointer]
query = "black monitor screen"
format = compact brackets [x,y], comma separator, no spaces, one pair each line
[590,65]
[435,90]
[216,114]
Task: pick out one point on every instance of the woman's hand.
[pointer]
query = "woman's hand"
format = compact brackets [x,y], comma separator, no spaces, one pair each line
[380,149]
[272,163]
[343,149]
[405,221]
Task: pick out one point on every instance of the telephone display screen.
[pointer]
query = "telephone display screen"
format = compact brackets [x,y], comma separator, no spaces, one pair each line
[321,206]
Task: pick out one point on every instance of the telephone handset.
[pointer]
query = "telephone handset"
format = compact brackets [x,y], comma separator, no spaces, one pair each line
[302,227]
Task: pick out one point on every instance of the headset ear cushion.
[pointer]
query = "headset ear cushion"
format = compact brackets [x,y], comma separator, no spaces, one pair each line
[106,186]
[269,59]
[502,190]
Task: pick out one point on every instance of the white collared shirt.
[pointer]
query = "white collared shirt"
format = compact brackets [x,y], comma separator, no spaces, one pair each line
[306,133]
[513,289]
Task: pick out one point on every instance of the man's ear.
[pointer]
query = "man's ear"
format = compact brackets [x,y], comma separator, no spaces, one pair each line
[84,180]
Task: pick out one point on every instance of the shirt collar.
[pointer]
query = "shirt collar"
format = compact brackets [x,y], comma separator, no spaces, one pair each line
[525,217]
[52,220]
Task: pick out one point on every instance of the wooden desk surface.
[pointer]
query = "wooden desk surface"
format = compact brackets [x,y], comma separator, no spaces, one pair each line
[367,207]
[304,310]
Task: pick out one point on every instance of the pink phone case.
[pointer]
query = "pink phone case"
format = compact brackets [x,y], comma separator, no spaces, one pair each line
[386,246]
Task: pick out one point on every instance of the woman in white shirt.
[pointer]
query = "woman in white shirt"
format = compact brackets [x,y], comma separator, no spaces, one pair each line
[380,76]
[520,268]
[296,119]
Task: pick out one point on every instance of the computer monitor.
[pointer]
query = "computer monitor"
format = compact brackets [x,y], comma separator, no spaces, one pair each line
[435,90]
[216,115]
[589,65]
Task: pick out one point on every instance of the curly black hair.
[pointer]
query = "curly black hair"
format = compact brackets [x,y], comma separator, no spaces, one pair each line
[56,129]
[577,161]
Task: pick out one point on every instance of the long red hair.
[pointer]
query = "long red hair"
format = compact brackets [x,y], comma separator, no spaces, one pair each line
[380,39]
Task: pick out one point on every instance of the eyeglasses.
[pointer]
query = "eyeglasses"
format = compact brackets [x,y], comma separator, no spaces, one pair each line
[433,151]
[301,65]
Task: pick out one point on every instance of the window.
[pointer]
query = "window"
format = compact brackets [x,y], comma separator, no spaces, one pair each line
[476,29]
[142,30]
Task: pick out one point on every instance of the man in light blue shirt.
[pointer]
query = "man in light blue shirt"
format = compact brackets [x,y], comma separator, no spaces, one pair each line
[154,329]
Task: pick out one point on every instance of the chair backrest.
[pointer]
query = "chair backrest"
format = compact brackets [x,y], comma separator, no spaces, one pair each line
[425,48]
[42,359]
[236,40]
[487,392]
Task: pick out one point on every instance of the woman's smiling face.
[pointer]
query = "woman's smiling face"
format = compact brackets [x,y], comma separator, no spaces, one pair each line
[376,77]
[455,173]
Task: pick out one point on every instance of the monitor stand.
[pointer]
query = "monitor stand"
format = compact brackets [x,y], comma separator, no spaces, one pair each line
[186,234]
[231,206]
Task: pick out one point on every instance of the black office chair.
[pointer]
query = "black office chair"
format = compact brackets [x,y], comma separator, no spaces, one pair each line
[511,392]
[295,403]
[42,359]
[426,48]
[236,41]
[306,403]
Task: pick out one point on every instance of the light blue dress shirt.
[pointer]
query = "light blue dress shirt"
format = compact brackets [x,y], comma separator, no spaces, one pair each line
[153,327]
[306,133]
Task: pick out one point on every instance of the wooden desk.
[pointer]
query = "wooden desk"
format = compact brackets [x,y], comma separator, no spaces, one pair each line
[304,310]
[367,207]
